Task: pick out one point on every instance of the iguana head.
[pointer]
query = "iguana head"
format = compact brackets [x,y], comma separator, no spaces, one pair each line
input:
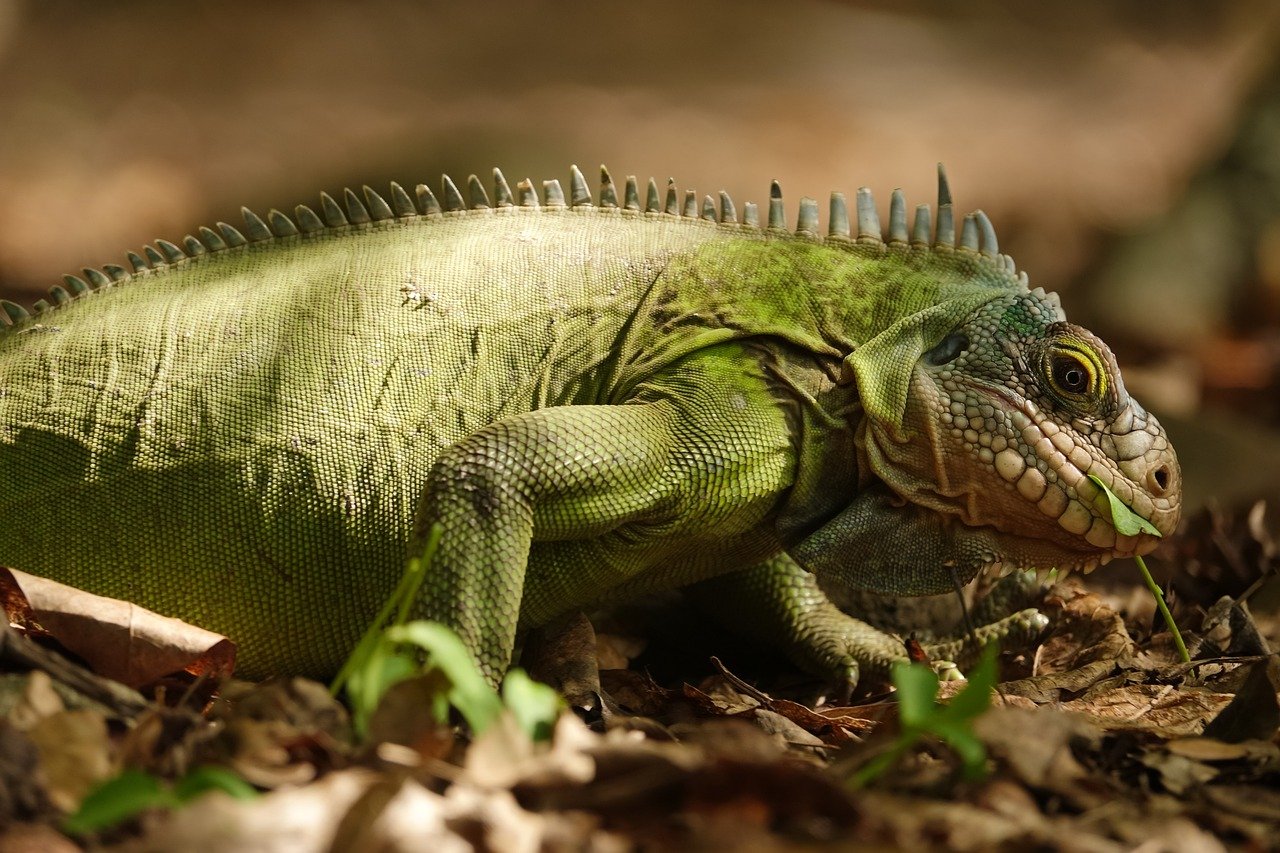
[1006,415]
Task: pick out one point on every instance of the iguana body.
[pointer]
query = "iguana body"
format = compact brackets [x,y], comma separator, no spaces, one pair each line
[591,400]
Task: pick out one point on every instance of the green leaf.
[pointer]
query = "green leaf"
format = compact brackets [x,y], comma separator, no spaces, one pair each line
[470,693]
[1126,521]
[535,705]
[975,697]
[917,686]
[211,778]
[117,800]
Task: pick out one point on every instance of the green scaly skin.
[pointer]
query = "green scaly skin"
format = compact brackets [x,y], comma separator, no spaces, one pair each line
[592,402]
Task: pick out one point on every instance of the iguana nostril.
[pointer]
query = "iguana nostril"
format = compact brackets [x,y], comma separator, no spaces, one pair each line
[1158,480]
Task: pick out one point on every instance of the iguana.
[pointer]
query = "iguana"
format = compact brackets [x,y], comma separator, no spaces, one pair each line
[252,430]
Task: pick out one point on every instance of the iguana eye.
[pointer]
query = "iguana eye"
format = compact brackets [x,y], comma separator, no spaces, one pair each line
[1070,375]
[1075,372]
[949,350]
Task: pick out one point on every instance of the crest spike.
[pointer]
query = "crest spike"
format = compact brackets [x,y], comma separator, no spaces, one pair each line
[475,191]
[76,285]
[172,253]
[39,306]
[987,235]
[946,235]
[920,228]
[332,212]
[96,278]
[376,204]
[307,219]
[631,195]
[897,217]
[193,247]
[553,193]
[807,221]
[969,234]
[401,202]
[708,208]
[501,190]
[13,311]
[356,212]
[673,202]
[838,217]
[944,188]
[115,272]
[211,239]
[452,198]
[59,294]
[255,228]
[608,195]
[1023,280]
[579,195]
[528,195]
[427,200]
[690,204]
[136,261]
[231,235]
[728,213]
[281,225]
[751,214]
[154,258]
[777,212]
[868,220]
[651,198]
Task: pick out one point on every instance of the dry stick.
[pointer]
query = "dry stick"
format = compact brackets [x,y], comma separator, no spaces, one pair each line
[121,700]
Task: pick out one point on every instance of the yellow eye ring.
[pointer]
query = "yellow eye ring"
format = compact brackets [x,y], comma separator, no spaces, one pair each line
[1075,371]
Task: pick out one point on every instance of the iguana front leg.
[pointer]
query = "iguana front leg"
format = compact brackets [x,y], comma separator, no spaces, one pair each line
[779,602]
[697,456]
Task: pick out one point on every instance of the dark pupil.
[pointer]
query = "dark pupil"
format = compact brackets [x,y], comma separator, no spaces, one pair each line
[1070,376]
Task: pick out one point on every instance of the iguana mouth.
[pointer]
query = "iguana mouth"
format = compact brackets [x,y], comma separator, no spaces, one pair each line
[1063,492]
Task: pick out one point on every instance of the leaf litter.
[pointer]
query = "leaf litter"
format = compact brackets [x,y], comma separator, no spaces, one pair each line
[1102,740]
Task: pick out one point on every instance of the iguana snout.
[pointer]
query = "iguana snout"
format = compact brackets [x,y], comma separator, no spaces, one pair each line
[1019,408]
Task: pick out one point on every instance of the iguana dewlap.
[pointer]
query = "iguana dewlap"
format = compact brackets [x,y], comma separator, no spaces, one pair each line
[597,398]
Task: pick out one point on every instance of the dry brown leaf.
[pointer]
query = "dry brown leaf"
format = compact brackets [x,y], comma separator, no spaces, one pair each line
[1161,710]
[117,639]
[75,754]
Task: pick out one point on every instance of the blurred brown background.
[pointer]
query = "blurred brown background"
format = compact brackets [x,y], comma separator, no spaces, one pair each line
[1128,152]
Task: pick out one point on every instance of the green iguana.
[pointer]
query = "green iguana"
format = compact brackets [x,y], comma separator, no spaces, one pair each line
[253,430]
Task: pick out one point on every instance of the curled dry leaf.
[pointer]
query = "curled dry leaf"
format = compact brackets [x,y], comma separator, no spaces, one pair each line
[117,639]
